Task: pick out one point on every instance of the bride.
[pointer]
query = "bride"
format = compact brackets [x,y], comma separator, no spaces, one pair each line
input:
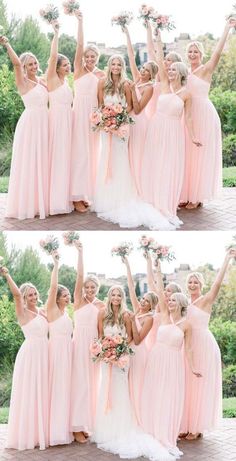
[115,197]
[115,428]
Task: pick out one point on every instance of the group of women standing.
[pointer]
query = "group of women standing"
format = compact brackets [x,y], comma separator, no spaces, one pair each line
[173,384]
[59,163]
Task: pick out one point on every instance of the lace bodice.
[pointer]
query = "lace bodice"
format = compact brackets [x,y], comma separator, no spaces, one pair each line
[114,99]
[110,330]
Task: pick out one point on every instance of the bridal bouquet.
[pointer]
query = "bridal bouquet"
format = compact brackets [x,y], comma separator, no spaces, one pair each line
[113,350]
[49,14]
[162,253]
[70,237]
[161,22]
[50,245]
[145,13]
[233,244]
[145,243]
[113,119]
[123,19]
[70,7]
[124,249]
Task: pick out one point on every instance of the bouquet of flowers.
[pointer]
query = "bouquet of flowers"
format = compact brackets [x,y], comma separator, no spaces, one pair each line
[70,237]
[112,119]
[50,245]
[145,243]
[161,22]
[123,19]
[145,13]
[49,14]
[233,244]
[111,349]
[161,252]
[124,249]
[70,7]
[233,14]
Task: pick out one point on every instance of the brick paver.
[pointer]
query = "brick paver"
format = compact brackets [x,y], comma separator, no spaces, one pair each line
[216,215]
[217,446]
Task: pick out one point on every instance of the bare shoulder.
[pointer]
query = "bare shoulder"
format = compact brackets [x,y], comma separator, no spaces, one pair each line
[100,74]
[100,305]
[101,313]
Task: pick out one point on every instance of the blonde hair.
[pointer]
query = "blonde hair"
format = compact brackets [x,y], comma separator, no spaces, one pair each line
[25,57]
[198,45]
[109,87]
[25,288]
[198,276]
[92,278]
[152,68]
[175,287]
[109,316]
[182,71]
[182,302]
[152,299]
[174,57]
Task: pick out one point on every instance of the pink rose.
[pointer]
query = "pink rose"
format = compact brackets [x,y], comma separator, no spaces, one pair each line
[95,118]
[95,349]
[118,339]
[118,108]
[123,361]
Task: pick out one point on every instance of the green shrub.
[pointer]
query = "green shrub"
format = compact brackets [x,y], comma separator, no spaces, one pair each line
[229,381]
[225,104]
[229,408]
[229,150]
[11,105]
[4,411]
[225,335]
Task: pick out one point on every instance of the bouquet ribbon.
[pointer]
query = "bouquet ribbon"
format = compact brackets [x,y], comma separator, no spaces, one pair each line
[108,396]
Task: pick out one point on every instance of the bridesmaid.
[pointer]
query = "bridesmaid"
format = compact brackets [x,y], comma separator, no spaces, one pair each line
[165,146]
[170,58]
[60,129]
[163,391]
[203,171]
[141,323]
[60,360]
[85,143]
[28,185]
[28,415]
[142,92]
[203,401]
[84,371]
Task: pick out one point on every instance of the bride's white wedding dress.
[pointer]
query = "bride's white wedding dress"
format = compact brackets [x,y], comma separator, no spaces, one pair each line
[116,198]
[115,429]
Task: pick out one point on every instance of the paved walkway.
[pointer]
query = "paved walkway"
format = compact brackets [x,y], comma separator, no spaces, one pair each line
[217,446]
[217,215]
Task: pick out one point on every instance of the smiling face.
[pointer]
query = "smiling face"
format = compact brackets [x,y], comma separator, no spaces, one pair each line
[168,292]
[31,298]
[145,305]
[64,68]
[64,298]
[116,66]
[31,67]
[173,73]
[194,55]
[90,289]
[194,286]
[173,306]
[90,59]
[116,297]
[145,73]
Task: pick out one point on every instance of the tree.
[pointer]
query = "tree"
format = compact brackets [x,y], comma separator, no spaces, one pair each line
[103,59]
[137,58]
[67,277]
[67,46]
[137,289]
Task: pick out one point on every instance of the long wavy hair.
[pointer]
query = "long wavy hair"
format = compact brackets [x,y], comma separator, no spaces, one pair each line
[109,86]
[25,288]
[109,318]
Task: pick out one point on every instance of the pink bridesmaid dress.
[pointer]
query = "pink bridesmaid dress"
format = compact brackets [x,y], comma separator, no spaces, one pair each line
[60,138]
[85,373]
[151,336]
[163,390]
[164,157]
[85,143]
[151,107]
[137,142]
[203,397]
[28,415]
[136,374]
[28,185]
[203,169]
[60,366]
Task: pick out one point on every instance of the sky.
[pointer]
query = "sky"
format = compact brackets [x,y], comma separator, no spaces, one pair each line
[192,16]
[194,248]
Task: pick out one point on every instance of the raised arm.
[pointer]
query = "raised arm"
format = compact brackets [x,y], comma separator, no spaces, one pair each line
[215,57]
[160,61]
[52,294]
[19,304]
[78,61]
[131,56]
[18,69]
[133,298]
[210,297]
[150,43]
[52,64]
[80,276]
[150,275]
[160,290]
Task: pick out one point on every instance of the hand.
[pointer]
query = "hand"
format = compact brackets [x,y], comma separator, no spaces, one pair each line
[231,253]
[231,21]
[197,374]
[78,245]
[3,40]
[55,25]
[55,256]
[79,15]
[132,85]
[125,29]
[132,316]
[124,260]
[197,143]
[3,271]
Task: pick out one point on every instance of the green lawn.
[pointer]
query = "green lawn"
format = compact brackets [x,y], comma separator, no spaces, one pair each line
[229,410]
[229,179]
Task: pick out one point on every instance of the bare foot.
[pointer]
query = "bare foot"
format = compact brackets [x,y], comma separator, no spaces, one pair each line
[182,204]
[193,206]
[86,435]
[80,207]
[79,437]
[182,435]
[193,436]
